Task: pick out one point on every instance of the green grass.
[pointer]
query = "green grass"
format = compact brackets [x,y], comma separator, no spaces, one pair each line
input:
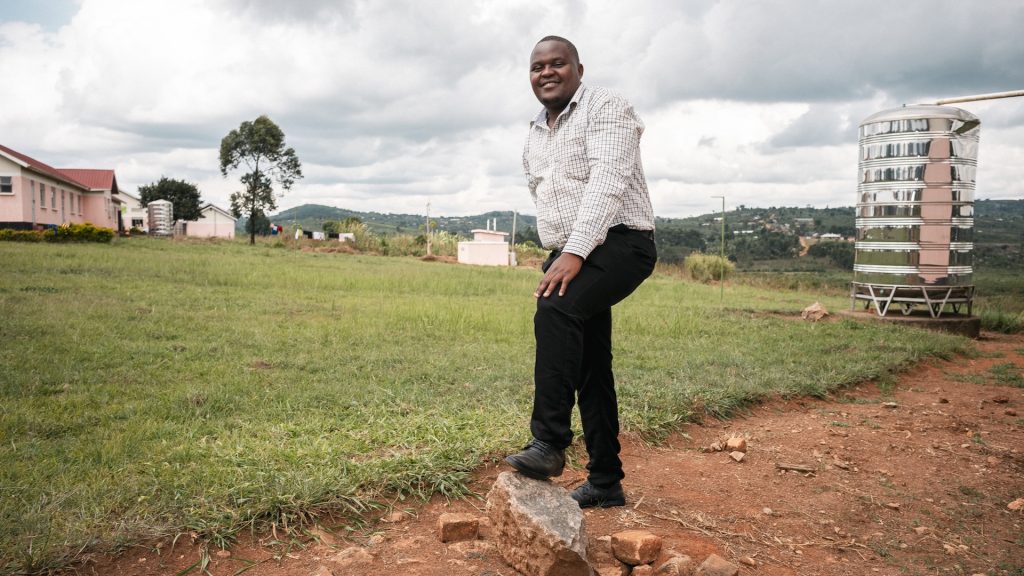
[1007,374]
[151,387]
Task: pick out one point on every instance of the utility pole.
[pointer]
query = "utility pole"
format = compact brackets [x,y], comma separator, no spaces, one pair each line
[428,229]
[721,270]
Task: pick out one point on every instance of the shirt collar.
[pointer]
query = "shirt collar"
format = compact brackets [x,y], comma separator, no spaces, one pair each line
[542,117]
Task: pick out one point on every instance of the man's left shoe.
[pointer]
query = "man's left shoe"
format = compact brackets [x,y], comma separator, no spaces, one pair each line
[538,460]
[589,496]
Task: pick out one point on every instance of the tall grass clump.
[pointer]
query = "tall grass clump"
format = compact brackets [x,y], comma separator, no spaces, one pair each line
[152,387]
[997,320]
[707,267]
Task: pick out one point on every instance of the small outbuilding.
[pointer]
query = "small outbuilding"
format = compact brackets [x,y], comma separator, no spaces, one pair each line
[213,222]
[488,248]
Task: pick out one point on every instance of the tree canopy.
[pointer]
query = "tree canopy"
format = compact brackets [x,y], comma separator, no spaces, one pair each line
[259,147]
[183,196]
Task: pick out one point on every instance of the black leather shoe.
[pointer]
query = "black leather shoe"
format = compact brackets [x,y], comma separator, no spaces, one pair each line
[588,496]
[538,460]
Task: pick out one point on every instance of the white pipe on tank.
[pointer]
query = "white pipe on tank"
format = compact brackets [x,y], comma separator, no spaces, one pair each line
[976,97]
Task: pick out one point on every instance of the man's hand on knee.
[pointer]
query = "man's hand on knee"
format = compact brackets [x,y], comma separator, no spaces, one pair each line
[559,274]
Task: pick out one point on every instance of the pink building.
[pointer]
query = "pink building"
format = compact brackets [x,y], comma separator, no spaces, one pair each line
[33,193]
[213,222]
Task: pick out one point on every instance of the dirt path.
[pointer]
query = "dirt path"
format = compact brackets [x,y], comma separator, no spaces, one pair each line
[914,478]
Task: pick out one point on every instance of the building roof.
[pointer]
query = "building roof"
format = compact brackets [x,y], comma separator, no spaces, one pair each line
[92,178]
[209,206]
[40,167]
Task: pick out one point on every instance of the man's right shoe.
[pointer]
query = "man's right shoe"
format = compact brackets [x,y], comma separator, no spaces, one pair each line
[538,460]
[589,496]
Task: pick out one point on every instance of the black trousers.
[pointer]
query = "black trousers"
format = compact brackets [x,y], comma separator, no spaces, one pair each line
[574,350]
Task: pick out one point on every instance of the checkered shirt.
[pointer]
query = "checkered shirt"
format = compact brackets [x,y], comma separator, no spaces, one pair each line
[585,175]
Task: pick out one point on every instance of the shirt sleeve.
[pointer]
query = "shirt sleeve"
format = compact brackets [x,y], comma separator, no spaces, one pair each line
[613,147]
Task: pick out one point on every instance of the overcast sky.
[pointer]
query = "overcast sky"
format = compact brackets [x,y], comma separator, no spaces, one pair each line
[391,104]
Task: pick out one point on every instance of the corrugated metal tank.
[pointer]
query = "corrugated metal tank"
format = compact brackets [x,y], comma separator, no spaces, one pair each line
[915,208]
[161,217]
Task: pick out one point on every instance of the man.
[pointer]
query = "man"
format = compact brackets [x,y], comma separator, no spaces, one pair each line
[582,164]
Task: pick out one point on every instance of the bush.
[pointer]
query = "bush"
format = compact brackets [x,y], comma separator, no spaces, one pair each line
[707,267]
[840,253]
[63,233]
[21,235]
[86,232]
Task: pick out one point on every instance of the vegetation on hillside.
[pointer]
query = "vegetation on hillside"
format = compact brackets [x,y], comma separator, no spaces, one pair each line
[753,236]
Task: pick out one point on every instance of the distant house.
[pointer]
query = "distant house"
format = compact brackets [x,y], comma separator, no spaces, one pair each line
[102,200]
[133,213]
[33,193]
[488,248]
[214,222]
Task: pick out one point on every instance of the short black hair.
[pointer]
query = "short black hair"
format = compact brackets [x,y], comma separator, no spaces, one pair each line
[570,45]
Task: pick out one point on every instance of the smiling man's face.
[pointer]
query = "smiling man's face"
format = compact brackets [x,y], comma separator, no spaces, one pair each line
[555,75]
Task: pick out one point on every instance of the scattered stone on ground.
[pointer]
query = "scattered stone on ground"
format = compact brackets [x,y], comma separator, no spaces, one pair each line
[715,565]
[676,565]
[814,312]
[736,444]
[604,563]
[457,527]
[642,570]
[538,527]
[636,547]
[748,561]
[737,456]
[1016,504]
[394,517]
[351,556]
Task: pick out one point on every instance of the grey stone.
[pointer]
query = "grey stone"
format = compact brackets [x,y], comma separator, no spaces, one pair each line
[715,565]
[675,566]
[538,527]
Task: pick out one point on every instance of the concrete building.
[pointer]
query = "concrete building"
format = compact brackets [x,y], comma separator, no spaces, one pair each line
[488,248]
[33,193]
[214,223]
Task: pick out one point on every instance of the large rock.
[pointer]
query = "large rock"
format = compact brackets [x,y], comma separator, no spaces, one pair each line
[814,312]
[538,527]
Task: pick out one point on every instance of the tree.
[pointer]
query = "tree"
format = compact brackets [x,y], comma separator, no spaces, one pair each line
[184,196]
[258,223]
[259,145]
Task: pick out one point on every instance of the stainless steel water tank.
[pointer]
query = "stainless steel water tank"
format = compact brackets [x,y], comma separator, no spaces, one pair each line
[915,209]
[161,217]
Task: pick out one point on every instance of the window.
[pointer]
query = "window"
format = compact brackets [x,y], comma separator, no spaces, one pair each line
[136,222]
[6,185]
[72,202]
[42,195]
[53,197]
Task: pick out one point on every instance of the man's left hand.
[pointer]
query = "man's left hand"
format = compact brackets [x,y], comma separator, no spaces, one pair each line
[559,274]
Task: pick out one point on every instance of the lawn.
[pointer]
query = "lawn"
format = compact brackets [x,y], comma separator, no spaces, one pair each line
[153,387]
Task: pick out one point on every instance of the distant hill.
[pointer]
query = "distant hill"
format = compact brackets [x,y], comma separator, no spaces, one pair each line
[999,226]
[312,217]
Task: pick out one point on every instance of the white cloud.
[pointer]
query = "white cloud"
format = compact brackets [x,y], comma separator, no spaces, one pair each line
[393,104]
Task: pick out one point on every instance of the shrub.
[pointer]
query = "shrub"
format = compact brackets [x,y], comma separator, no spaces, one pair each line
[840,253]
[707,267]
[86,232]
[21,235]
